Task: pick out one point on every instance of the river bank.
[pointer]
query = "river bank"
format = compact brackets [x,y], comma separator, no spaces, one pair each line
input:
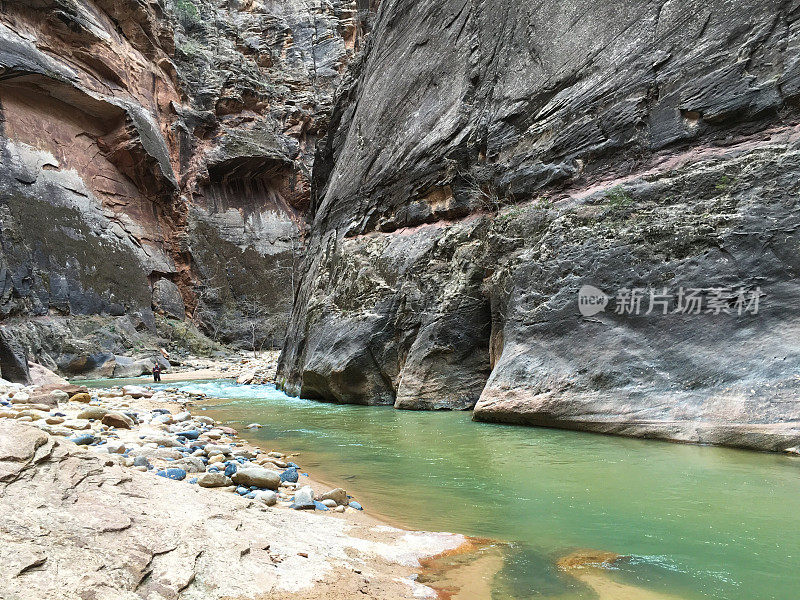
[687,521]
[112,494]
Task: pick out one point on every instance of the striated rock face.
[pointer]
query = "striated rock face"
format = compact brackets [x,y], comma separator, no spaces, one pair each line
[258,79]
[155,155]
[487,160]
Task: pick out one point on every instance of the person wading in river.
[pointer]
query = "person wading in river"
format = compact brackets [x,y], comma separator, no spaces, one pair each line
[157,372]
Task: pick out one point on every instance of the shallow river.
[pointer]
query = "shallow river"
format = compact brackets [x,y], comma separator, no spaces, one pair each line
[693,522]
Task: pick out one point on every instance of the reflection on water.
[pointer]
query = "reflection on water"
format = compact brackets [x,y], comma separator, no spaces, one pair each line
[692,522]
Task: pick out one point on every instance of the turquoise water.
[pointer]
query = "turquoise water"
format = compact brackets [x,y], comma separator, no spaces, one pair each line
[693,522]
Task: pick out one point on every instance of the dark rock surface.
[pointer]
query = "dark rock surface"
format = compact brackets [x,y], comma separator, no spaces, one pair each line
[487,160]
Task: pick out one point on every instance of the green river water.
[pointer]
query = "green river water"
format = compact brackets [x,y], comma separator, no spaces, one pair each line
[693,522]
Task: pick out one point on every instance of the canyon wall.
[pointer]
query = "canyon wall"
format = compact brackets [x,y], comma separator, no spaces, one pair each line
[485,162]
[155,159]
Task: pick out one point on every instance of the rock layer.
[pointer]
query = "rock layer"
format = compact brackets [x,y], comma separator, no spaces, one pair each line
[485,161]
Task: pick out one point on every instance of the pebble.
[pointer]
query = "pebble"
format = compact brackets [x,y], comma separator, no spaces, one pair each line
[59,396]
[356,505]
[92,412]
[172,473]
[81,397]
[141,461]
[268,497]
[212,480]
[115,419]
[83,439]
[290,475]
[116,447]
[190,464]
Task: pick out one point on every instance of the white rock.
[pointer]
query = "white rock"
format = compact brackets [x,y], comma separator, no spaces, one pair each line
[268,497]
[116,447]
[137,391]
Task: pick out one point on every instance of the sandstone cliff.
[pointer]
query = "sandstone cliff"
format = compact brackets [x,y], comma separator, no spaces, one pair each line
[487,160]
[155,156]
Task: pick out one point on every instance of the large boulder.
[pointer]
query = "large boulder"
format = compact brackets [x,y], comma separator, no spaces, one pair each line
[125,367]
[44,377]
[257,476]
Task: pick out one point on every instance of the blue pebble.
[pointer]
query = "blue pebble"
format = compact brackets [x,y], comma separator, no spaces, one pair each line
[192,434]
[356,505]
[169,459]
[251,495]
[213,470]
[84,439]
[291,465]
[242,491]
[253,488]
[240,461]
[193,480]
[320,506]
[141,461]
[173,473]
[230,469]
[204,459]
[290,475]
[59,414]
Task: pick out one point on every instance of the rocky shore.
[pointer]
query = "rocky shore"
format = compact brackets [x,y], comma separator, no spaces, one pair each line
[122,492]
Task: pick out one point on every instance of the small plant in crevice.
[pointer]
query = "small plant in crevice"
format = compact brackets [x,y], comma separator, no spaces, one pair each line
[724,183]
[618,198]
